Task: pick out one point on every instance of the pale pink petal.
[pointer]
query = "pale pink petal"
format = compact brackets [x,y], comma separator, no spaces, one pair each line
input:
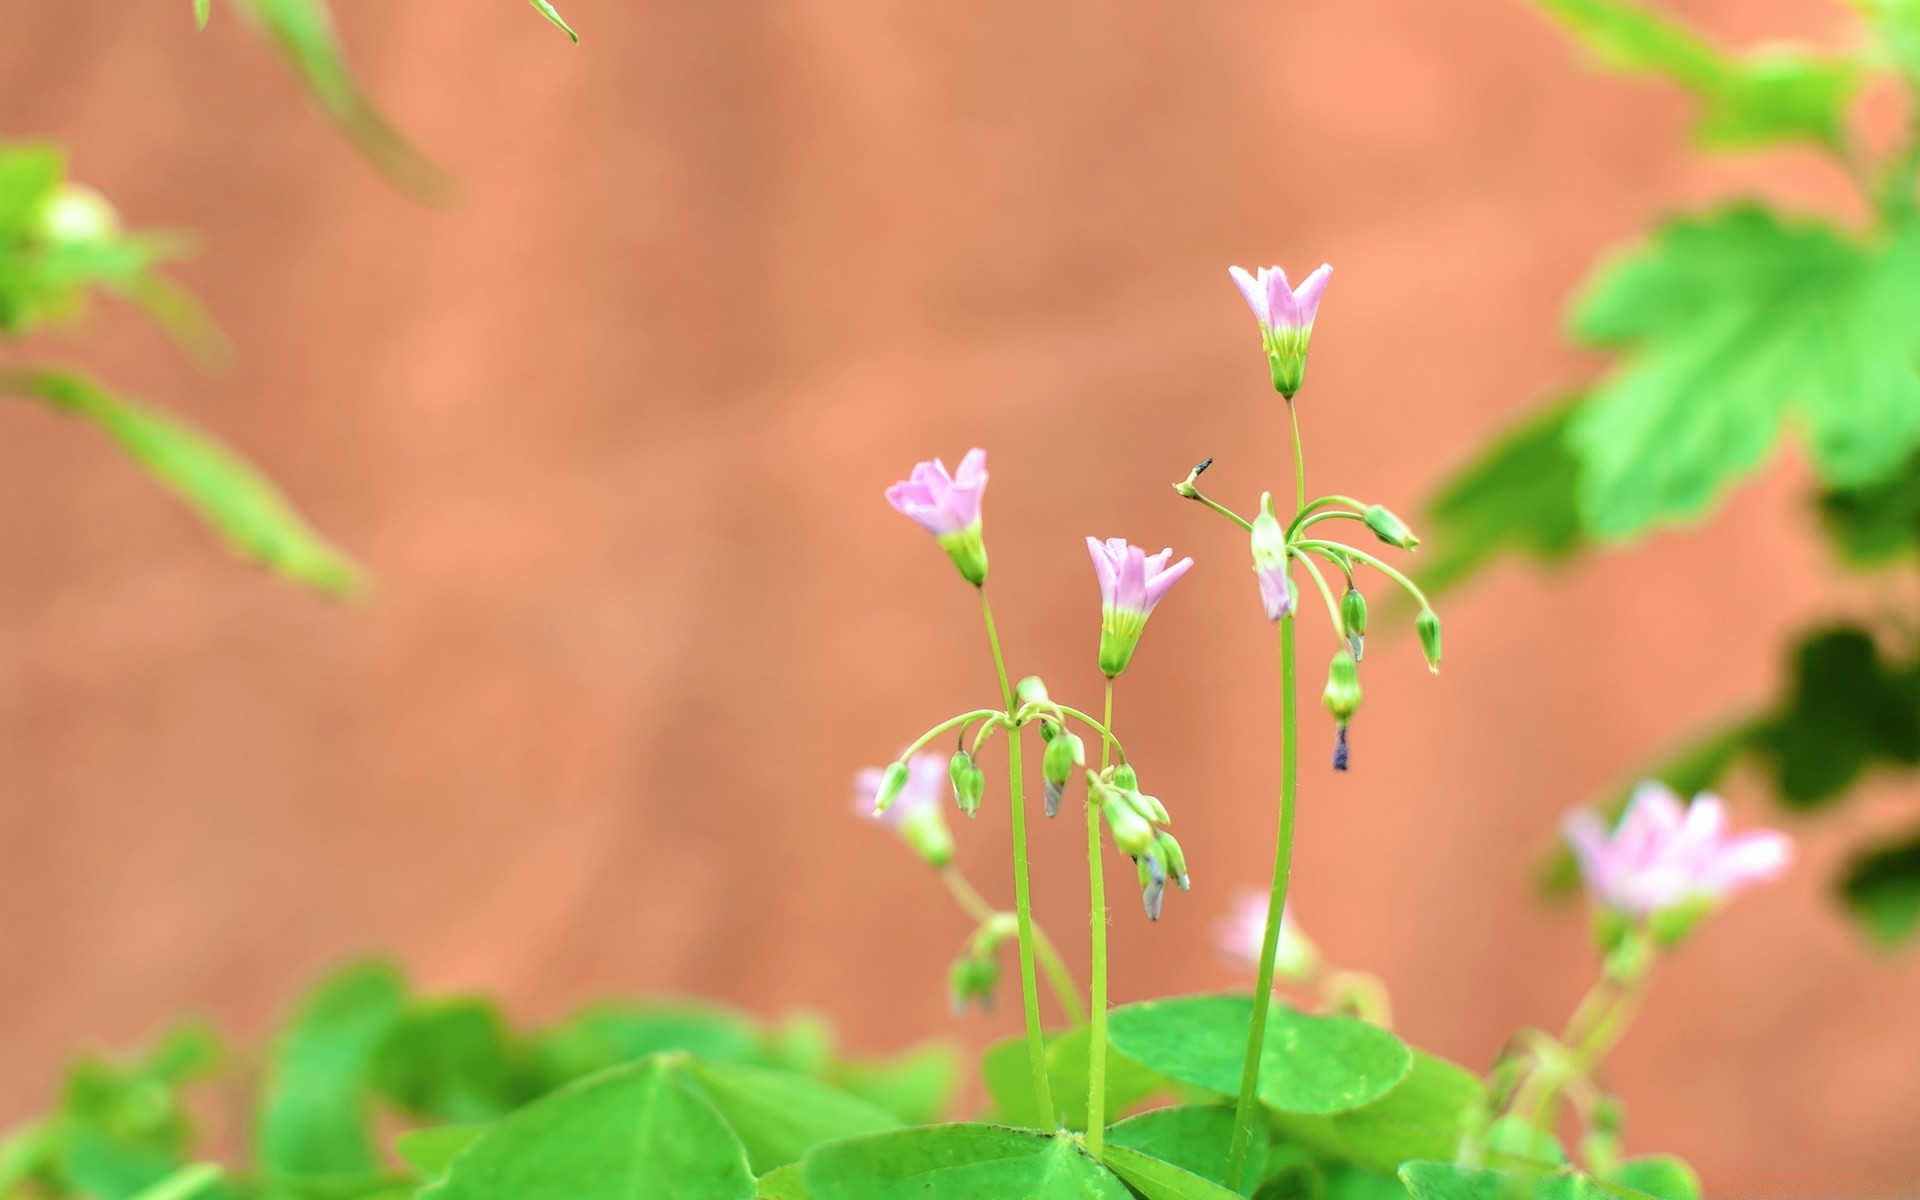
[1750,858]
[1130,584]
[1253,291]
[1158,585]
[1281,308]
[1102,568]
[1306,297]
[972,467]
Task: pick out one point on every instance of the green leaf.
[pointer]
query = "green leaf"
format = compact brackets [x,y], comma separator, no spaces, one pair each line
[917,1087]
[1517,497]
[303,32]
[314,1110]
[958,1162]
[1309,1064]
[1445,1181]
[786,1183]
[1426,1116]
[1732,324]
[1127,1083]
[1660,1176]
[780,1116]
[611,1034]
[1750,100]
[432,1151]
[634,1133]
[234,498]
[1875,525]
[1847,711]
[184,1184]
[1196,1139]
[202,9]
[1881,888]
[1158,1180]
[547,11]
[30,173]
[453,1061]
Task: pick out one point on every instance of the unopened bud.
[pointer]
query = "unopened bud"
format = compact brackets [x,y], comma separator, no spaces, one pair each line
[1342,696]
[1126,778]
[1153,883]
[1064,753]
[969,782]
[973,980]
[1353,615]
[1427,625]
[1389,528]
[891,785]
[1031,690]
[1132,833]
[1175,859]
[1270,561]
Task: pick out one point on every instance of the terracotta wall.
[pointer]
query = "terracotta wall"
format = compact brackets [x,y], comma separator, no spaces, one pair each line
[612,434]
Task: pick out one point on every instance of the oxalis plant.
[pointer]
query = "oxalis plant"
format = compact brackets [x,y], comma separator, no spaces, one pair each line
[1298,1088]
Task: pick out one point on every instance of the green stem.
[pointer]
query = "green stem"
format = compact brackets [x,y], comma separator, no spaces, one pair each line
[1299,460]
[962,720]
[1022,897]
[1246,1110]
[1223,510]
[1326,593]
[1107,739]
[1386,569]
[971,902]
[1097,973]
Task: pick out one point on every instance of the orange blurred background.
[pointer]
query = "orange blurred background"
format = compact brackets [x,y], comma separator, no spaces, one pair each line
[612,435]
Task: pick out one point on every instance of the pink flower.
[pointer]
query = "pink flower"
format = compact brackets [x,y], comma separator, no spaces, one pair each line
[1665,853]
[1270,561]
[1240,934]
[1286,318]
[1131,583]
[948,507]
[917,813]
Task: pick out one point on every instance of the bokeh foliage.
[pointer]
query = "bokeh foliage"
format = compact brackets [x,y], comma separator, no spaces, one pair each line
[1728,332]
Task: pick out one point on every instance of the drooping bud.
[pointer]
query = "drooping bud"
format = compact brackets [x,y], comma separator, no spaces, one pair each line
[1427,625]
[1342,696]
[1153,882]
[1389,528]
[1031,690]
[1126,778]
[969,782]
[1175,859]
[973,980]
[891,785]
[1132,833]
[1270,561]
[1353,614]
[1065,752]
[948,507]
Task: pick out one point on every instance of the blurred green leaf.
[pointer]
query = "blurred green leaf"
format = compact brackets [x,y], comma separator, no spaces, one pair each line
[1309,1064]
[228,494]
[787,1183]
[315,1110]
[612,1034]
[202,9]
[917,1087]
[1881,887]
[1425,1116]
[1517,497]
[453,1061]
[184,1184]
[1661,1176]
[1194,1138]
[1730,324]
[547,11]
[1847,710]
[1874,525]
[779,1116]
[958,1162]
[432,1151]
[303,32]
[637,1132]
[1750,100]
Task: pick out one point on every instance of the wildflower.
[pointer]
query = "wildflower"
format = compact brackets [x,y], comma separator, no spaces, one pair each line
[1286,317]
[1666,855]
[1131,583]
[916,811]
[948,507]
[1270,561]
[1240,933]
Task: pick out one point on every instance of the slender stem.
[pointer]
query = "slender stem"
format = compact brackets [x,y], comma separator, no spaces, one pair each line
[1384,568]
[1107,739]
[1338,514]
[1299,460]
[971,902]
[1246,1111]
[1321,503]
[1097,973]
[1223,510]
[1326,593]
[1022,898]
[963,720]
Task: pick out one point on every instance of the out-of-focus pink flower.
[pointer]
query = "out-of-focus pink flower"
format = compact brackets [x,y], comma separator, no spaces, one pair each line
[1286,315]
[948,507]
[1240,933]
[1131,583]
[917,814]
[1666,853]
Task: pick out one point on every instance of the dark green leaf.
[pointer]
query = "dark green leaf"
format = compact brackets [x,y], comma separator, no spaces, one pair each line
[634,1133]
[1848,710]
[315,1112]
[1193,1138]
[1881,888]
[1310,1064]
[1731,324]
[230,495]
[780,1116]
[547,11]
[1518,497]
[1875,525]
[958,1162]
[453,1061]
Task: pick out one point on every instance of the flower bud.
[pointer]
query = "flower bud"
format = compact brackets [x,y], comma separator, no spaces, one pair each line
[1132,833]
[1031,690]
[969,782]
[77,215]
[973,980]
[1269,543]
[1065,752]
[1342,696]
[926,832]
[1153,882]
[1175,859]
[1389,528]
[1353,615]
[1427,625]
[891,785]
